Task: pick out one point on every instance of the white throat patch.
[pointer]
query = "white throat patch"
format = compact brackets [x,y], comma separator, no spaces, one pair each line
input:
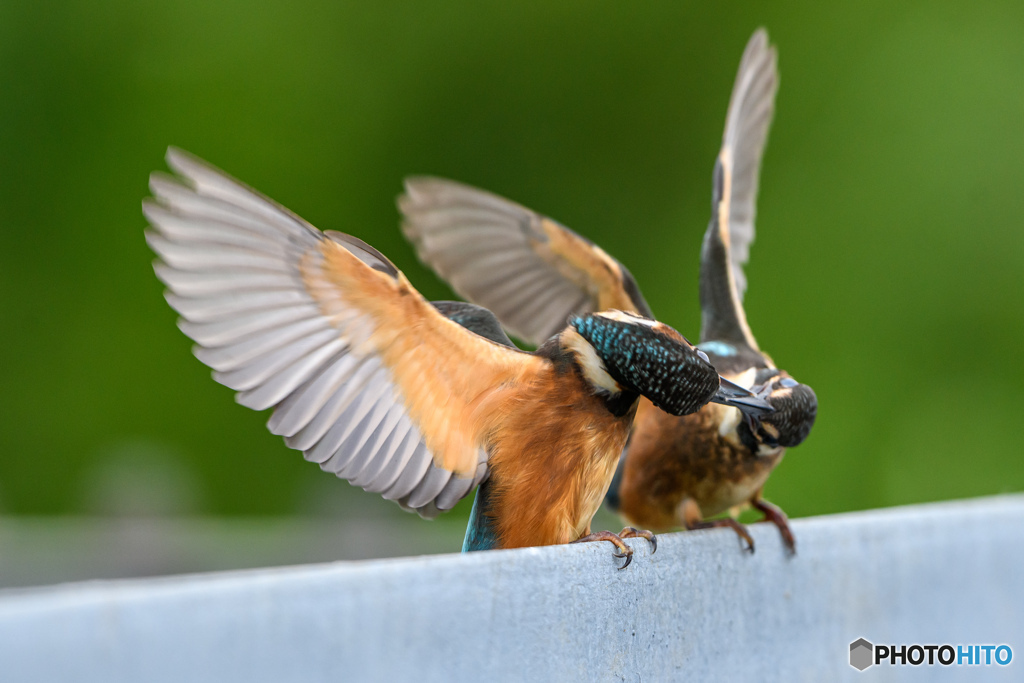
[733,416]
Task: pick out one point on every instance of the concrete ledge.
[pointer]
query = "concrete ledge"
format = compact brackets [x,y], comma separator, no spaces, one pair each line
[699,610]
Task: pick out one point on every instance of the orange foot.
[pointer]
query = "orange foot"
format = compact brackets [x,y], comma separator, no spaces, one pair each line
[616,540]
[777,517]
[740,530]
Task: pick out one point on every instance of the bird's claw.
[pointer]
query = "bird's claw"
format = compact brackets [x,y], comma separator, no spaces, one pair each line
[776,516]
[740,530]
[632,532]
[624,551]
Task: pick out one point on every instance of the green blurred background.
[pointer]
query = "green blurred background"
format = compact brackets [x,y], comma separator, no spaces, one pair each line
[887,271]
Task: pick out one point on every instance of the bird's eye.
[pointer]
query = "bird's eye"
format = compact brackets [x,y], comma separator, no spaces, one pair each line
[788,382]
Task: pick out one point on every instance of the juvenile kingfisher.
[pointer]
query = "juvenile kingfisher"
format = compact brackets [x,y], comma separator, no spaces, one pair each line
[378,386]
[533,272]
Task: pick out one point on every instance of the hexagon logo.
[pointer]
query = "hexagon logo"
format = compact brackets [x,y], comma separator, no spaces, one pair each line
[861,654]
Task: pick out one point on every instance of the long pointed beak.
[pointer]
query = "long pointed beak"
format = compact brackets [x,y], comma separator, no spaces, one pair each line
[731,394]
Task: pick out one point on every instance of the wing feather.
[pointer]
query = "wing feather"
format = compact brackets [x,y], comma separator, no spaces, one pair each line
[364,376]
[229,357]
[398,462]
[191,283]
[305,403]
[385,440]
[260,370]
[210,309]
[276,387]
[499,254]
[312,432]
[410,475]
[428,489]
[330,447]
[236,329]
[734,201]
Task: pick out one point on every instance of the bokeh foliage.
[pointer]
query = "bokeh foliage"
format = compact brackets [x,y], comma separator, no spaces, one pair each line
[887,272]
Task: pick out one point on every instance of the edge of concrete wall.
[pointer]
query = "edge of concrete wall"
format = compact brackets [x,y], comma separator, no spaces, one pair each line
[700,609]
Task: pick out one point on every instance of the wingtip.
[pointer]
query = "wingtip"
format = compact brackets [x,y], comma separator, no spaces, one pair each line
[758,42]
[189,166]
[429,190]
[175,156]
[415,193]
[413,182]
[406,199]
[151,208]
[161,269]
[158,180]
[154,239]
[759,50]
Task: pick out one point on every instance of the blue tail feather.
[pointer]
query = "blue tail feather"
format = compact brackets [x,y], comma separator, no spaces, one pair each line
[480,533]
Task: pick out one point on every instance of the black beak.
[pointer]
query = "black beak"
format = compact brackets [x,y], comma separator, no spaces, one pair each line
[730,394]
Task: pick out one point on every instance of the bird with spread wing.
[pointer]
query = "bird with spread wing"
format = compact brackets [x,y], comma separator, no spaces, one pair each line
[533,272]
[416,401]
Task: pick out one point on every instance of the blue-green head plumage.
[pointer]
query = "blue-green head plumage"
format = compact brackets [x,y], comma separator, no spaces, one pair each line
[651,358]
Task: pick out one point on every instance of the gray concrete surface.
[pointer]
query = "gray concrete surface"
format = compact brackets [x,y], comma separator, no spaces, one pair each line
[698,610]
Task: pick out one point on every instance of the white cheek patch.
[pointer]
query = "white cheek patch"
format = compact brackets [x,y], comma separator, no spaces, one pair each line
[732,417]
[730,421]
[745,379]
[592,365]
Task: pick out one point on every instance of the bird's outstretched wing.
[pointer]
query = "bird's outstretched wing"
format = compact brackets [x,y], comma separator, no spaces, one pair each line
[365,377]
[734,195]
[529,270]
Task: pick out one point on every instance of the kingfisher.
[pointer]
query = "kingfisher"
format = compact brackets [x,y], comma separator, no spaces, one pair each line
[418,402]
[532,272]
